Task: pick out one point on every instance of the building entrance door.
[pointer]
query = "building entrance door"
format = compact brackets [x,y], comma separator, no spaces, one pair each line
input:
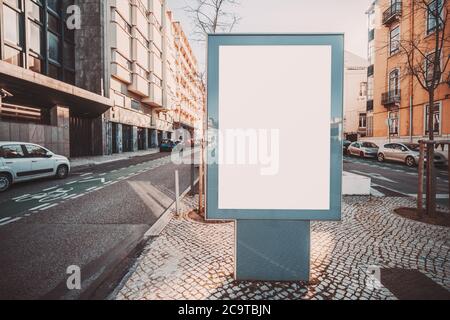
[127,138]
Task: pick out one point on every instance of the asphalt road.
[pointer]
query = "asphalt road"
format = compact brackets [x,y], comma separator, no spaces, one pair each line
[396,179]
[94,220]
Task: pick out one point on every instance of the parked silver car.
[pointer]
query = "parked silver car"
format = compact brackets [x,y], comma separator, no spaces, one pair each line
[363,149]
[407,153]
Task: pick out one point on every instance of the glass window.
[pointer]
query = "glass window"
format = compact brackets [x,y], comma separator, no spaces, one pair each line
[436,117]
[53,5]
[362,120]
[393,123]
[54,71]
[11,19]
[35,151]
[35,38]
[394,82]
[434,20]
[53,47]
[394,40]
[13,151]
[54,24]
[34,10]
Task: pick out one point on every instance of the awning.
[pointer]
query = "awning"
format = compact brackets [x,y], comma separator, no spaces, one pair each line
[34,89]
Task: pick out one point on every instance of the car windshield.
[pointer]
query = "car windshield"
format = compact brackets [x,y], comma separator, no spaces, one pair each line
[369,145]
[412,146]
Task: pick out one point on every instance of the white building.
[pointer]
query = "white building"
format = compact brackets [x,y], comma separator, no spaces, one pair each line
[355,96]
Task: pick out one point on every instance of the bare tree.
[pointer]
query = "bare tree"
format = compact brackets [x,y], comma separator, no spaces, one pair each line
[427,64]
[209,17]
[212,16]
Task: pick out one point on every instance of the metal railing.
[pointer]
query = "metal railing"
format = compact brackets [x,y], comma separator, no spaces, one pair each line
[390,97]
[391,13]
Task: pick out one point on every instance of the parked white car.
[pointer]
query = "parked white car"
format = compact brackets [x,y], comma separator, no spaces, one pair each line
[21,161]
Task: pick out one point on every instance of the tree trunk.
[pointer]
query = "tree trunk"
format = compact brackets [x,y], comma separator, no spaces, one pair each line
[431,178]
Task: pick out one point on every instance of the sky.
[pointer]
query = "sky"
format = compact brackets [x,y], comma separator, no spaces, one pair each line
[346,16]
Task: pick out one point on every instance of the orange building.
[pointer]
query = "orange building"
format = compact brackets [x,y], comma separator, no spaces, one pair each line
[397,104]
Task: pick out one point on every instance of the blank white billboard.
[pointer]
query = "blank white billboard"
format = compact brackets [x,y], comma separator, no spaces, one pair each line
[275,90]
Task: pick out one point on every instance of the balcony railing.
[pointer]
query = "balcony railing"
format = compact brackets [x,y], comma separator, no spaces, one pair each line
[390,97]
[392,13]
[369,105]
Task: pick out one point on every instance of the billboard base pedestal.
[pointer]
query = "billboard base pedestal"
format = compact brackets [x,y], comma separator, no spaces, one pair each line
[272,250]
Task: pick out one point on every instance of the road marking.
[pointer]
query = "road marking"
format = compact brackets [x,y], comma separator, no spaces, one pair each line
[77,196]
[48,189]
[4,219]
[86,174]
[38,207]
[21,197]
[10,221]
[69,183]
[374,175]
[48,207]
[102,174]
[102,180]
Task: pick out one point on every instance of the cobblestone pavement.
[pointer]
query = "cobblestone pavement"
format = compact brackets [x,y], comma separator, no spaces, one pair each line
[191,260]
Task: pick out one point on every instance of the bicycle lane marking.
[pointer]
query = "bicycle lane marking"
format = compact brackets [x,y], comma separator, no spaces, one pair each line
[51,197]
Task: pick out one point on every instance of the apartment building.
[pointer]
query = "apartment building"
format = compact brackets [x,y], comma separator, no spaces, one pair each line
[189,93]
[397,106]
[41,98]
[355,96]
[141,116]
[108,85]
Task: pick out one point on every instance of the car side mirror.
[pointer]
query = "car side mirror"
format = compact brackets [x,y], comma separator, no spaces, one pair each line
[48,155]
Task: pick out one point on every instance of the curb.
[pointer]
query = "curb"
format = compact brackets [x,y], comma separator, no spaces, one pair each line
[156,229]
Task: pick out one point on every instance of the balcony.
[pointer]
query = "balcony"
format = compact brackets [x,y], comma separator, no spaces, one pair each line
[392,13]
[390,97]
[369,105]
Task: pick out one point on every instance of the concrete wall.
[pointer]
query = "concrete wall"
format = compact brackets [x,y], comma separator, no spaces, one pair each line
[89,41]
[55,137]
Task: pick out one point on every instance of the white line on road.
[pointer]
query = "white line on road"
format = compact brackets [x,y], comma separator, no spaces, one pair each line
[10,221]
[48,189]
[86,174]
[78,196]
[374,175]
[21,197]
[48,207]
[4,219]
[69,183]
[38,207]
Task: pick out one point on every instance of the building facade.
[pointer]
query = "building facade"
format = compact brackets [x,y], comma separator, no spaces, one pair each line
[355,97]
[41,100]
[189,108]
[397,106]
[108,84]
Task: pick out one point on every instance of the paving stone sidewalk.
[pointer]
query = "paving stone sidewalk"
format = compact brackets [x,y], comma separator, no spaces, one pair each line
[191,260]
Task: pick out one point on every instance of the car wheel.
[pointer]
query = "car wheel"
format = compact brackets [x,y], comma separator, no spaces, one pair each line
[381,157]
[5,181]
[62,172]
[410,162]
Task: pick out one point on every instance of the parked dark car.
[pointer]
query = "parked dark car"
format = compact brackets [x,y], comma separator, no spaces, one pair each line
[167,145]
[346,144]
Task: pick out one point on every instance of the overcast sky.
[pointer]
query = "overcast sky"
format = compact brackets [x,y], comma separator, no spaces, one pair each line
[346,16]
